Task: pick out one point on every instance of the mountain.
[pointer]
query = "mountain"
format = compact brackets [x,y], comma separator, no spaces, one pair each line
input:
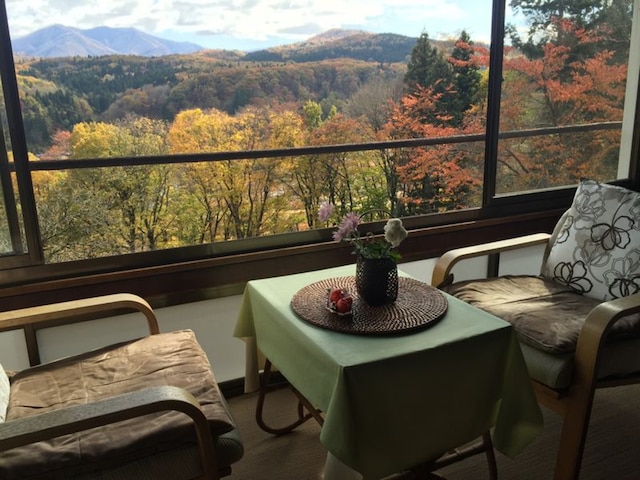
[62,41]
[337,43]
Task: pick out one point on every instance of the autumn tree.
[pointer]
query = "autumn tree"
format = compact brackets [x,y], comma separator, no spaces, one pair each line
[349,180]
[559,89]
[435,178]
[610,18]
[111,210]
[235,196]
[373,101]
[429,69]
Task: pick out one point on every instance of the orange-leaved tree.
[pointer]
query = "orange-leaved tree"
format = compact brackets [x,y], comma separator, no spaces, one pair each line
[558,89]
[434,178]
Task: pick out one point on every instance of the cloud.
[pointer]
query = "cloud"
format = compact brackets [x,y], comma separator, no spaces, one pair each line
[255,20]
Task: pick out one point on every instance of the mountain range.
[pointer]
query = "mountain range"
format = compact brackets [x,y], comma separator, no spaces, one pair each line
[339,43]
[62,41]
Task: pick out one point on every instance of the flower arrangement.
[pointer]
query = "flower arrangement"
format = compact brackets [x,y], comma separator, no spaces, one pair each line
[368,245]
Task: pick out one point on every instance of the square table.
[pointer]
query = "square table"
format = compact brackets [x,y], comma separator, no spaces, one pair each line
[393,402]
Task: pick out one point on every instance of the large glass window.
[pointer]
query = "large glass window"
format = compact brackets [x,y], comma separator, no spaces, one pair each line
[565,66]
[148,129]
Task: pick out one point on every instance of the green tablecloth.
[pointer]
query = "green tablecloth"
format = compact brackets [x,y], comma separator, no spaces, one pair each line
[393,402]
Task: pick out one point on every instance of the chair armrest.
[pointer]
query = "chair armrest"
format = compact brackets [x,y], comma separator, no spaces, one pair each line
[446,262]
[594,333]
[66,310]
[77,418]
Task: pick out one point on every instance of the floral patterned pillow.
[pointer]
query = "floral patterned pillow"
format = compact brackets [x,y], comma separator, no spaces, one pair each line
[4,393]
[597,250]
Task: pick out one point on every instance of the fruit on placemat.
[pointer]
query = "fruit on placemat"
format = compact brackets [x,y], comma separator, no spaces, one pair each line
[336,294]
[343,305]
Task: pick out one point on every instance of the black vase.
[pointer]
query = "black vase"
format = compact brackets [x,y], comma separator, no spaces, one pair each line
[376,280]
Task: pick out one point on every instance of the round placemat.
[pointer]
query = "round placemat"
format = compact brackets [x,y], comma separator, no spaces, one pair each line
[418,305]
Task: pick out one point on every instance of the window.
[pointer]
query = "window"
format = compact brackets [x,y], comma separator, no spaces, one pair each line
[216,152]
[568,68]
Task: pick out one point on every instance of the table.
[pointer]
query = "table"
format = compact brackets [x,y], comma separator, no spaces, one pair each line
[393,402]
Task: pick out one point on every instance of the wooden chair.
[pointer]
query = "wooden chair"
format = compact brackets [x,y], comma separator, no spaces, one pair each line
[146,408]
[579,320]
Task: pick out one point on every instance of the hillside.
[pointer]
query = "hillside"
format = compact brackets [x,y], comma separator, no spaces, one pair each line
[63,91]
[354,44]
[329,69]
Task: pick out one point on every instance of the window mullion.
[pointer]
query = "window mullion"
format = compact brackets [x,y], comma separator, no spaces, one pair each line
[493,101]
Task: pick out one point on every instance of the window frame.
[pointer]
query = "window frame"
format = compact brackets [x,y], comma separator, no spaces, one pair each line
[218,269]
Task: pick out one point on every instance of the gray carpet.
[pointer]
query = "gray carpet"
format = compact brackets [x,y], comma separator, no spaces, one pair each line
[612,451]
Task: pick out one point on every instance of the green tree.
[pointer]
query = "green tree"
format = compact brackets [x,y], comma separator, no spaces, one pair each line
[312,114]
[429,69]
[466,77]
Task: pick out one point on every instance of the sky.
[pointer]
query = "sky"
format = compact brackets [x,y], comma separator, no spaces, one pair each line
[255,24]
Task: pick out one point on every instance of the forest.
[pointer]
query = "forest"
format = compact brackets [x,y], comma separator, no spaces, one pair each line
[568,69]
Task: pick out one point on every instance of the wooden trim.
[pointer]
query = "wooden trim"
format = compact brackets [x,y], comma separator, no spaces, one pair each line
[197,280]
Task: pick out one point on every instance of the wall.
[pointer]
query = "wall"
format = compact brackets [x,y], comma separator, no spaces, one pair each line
[212,321]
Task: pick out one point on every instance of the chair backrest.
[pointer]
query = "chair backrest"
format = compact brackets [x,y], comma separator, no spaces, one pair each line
[595,247]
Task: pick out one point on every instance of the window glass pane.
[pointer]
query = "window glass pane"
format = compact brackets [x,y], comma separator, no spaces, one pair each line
[5,238]
[10,222]
[98,212]
[565,65]
[254,77]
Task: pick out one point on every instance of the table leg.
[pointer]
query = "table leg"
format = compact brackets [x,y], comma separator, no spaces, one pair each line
[426,469]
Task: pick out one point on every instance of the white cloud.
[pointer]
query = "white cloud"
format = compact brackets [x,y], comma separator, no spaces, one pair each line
[244,19]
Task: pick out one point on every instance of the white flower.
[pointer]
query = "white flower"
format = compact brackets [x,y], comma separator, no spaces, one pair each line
[394,232]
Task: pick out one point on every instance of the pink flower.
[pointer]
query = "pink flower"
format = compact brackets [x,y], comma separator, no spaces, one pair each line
[325,211]
[347,227]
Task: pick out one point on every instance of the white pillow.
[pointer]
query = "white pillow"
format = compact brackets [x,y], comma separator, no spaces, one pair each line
[4,394]
[597,251]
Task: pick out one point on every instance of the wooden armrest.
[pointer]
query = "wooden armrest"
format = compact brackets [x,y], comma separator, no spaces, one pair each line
[27,430]
[75,308]
[594,333]
[446,262]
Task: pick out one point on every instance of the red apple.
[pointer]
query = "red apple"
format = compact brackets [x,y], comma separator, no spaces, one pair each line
[343,305]
[335,295]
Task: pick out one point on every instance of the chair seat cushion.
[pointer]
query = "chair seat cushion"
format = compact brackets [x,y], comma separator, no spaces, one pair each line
[620,359]
[546,315]
[173,358]
[548,318]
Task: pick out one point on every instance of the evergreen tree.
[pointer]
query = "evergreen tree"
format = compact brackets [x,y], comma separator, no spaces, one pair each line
[429,69]
[466,76]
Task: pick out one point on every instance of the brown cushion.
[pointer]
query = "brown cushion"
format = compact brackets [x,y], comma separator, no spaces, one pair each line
[173,358]
[546,315]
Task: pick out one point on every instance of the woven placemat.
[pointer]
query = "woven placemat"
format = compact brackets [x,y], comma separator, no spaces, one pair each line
[418,305]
